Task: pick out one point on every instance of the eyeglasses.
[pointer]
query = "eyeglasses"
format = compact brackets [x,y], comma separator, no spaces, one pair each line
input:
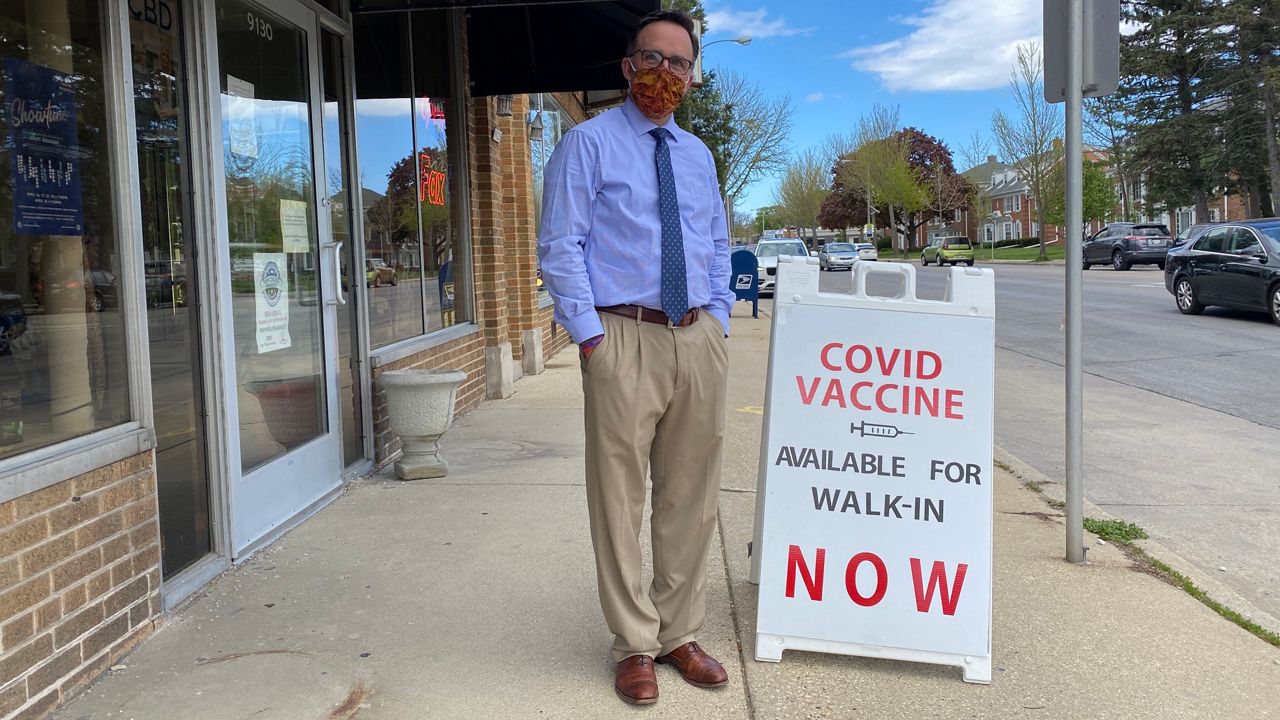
[652,59]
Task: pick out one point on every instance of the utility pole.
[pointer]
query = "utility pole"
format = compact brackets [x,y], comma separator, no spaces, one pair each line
[1077,65]
[1075,283]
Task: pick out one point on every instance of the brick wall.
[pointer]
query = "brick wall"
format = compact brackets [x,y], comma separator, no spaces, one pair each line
[80,572]
[554,337]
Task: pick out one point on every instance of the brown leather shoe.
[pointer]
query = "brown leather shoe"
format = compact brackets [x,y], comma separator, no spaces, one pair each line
[697,667]
[635,682]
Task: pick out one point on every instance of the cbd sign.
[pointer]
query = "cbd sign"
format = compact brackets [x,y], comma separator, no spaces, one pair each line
[154,12]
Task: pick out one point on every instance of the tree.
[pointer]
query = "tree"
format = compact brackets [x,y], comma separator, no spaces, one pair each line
[1105,121]
[972,154]
[1246,76]
[1027,141]
[758,146]
[1098,190]
[868,167]
[742,225]
[803,187]
[975,150]
[769,217]
[1164,65]
[924,184]
[706,113]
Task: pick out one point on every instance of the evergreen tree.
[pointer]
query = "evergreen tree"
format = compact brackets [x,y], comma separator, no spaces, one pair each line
[1166,65]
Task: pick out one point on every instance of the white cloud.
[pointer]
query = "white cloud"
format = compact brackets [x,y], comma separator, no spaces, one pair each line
[954,45]
[814,97]
[383,107]
[752,23]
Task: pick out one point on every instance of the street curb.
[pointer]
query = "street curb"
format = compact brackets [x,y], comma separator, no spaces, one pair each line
[982,261]
[1216,589]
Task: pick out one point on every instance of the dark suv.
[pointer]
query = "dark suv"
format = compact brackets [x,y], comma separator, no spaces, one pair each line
[1123,245]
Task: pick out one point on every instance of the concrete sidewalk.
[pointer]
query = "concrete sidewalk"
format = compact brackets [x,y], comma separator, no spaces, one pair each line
[474,597]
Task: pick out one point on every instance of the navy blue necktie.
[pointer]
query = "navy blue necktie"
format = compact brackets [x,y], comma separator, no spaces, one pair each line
[675,281]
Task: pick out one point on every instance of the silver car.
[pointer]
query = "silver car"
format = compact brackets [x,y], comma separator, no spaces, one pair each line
[838,256]
[867,251]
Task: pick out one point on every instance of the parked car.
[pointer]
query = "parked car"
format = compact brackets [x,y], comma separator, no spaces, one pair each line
[837,256]
[952,250]
[166,282]
[13,320]
[1123,245]
[768,251]
[378,273]
[1233,265]
[1190,233]
[867,251]
[105,294]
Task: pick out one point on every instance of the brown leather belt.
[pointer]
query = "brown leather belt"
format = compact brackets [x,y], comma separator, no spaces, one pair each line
[648,315]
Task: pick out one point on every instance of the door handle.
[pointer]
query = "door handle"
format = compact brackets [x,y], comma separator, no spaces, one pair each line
[339,297]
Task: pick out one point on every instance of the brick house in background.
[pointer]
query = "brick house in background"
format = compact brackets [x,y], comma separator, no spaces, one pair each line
[1007,210]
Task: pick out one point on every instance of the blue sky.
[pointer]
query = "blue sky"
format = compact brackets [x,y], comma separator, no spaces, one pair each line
[945,63]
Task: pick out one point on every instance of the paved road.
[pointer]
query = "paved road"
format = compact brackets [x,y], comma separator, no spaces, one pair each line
[1181,422]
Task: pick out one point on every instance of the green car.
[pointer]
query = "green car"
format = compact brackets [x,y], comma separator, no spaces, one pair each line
[954,250]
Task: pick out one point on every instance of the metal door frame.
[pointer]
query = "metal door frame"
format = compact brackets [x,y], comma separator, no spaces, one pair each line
[305,17]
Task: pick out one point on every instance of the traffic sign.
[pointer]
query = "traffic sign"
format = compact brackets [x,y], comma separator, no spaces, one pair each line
[874,503]
[1101,45]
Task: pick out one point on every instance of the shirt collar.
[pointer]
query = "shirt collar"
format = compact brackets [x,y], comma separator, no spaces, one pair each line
[642,125]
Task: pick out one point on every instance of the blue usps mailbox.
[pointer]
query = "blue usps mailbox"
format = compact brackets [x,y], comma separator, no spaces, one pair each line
[746,279]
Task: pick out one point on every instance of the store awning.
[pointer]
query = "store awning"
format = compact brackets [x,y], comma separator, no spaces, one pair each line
[524,46]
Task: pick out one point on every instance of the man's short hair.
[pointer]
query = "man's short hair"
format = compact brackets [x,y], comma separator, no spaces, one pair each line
[671,16]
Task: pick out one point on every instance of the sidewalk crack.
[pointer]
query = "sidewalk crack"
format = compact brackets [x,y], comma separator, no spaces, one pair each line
[733,618]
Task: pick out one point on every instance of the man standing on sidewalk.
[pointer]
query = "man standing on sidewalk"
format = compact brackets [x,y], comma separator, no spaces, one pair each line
[634,249]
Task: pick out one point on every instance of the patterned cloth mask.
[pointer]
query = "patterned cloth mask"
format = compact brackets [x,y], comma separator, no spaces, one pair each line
[657,91]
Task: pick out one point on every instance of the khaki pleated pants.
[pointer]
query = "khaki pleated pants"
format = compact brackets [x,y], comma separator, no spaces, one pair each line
[655,405]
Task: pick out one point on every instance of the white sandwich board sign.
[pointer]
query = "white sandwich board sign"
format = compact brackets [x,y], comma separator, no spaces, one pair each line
[874,503]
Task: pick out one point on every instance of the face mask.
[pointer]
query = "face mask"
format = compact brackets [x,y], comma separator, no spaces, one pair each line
[657,91]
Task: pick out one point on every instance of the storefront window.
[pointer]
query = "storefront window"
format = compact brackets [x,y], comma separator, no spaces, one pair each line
[548,122]
[169,268]
[63,366]
[409,156]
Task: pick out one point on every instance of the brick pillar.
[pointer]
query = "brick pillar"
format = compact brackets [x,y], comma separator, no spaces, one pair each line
[488,248]
[525,333]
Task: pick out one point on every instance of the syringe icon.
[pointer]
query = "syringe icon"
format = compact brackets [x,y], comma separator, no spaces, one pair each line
[866,429]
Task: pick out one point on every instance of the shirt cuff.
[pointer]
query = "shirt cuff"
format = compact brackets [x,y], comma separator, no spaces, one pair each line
[723,317]
[585,326]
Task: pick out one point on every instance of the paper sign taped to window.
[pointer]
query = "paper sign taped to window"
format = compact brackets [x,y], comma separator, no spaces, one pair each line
[271,301]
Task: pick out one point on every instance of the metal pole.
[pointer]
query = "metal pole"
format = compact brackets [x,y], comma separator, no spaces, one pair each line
[1075,284]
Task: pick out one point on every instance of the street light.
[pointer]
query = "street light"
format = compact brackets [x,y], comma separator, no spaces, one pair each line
[741,40]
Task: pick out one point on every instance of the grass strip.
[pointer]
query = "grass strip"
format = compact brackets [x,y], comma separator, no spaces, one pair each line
[1124,533]
[1117,531]
[1177,579]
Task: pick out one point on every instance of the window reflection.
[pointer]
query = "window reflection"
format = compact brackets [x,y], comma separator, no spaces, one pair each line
[408,171]
[62,354]
[271,229]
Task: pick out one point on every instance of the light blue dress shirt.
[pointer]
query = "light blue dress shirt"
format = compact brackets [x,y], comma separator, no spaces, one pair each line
[600,243]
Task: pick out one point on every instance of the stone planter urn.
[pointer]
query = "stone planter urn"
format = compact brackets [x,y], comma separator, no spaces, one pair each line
[420,403]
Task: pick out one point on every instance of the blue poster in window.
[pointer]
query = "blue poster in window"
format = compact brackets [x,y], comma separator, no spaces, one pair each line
[40,112]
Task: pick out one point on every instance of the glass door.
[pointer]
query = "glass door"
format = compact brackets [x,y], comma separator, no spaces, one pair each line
[173,293]
[279,319]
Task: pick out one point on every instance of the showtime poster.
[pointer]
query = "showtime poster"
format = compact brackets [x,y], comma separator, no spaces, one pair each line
[40,114]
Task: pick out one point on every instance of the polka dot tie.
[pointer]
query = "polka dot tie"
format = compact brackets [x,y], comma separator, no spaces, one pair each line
[675,281]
